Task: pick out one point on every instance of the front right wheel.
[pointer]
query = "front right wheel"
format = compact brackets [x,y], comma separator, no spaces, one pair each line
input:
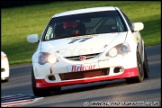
[38,91]
[140,76]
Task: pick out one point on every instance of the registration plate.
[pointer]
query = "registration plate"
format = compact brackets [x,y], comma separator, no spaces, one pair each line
[82,67]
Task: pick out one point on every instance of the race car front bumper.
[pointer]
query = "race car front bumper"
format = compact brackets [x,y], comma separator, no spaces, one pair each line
[42,83]
[69,72]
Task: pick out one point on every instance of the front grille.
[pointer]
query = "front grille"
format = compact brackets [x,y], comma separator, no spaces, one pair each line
[84,74]
[77,58]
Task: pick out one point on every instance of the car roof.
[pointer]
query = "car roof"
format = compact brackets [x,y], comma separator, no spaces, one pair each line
[85,10]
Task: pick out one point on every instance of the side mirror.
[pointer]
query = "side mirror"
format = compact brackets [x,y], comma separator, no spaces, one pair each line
[33,38]
[137,26]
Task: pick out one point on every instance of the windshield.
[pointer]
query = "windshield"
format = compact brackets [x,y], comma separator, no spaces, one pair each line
[84,24]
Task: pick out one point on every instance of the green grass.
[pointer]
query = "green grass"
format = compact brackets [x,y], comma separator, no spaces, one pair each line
[18,22]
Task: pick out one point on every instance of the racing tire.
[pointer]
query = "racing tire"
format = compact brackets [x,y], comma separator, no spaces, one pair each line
[140,76]
[38,91]
[56,89]
[146,66]
[5,80]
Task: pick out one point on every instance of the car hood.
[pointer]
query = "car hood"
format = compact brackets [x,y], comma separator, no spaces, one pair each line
[82,45]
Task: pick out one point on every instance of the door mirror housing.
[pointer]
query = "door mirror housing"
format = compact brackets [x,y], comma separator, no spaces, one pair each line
[33,38]
[137,26]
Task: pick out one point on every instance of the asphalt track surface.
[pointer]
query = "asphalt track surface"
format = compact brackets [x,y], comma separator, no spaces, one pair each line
[106,93]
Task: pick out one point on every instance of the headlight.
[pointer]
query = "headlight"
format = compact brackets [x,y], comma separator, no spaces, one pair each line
[51,59]
[119,49]
[46,58]
[42,59]
[113,52]
[123,49]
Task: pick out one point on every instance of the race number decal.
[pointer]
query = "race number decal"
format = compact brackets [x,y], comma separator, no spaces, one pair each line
[78,39]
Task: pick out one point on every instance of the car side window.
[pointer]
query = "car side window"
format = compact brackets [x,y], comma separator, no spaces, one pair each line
[128,21]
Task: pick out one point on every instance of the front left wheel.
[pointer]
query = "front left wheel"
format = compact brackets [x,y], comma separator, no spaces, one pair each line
[145,65]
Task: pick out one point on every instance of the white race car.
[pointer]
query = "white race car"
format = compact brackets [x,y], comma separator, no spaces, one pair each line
[88,45]
[5,69]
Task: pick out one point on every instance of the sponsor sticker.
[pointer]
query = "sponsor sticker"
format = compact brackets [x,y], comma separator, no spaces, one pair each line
[82,67]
